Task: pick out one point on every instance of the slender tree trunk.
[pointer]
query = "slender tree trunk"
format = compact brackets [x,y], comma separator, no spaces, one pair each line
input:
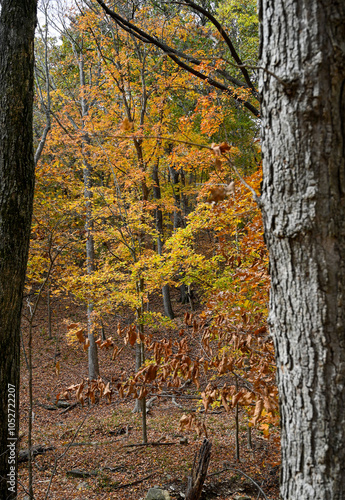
[90,250]
[178,222]
[168,310]
[49,312]
[178,218]
[249,438]
[140,404]
[17,26]
[45,105]
[237,429]
[303,201]
[92,351]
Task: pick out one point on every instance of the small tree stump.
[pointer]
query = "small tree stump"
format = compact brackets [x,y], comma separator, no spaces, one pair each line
[199,471]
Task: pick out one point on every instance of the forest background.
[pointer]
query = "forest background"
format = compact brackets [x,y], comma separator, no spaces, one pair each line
[147,277]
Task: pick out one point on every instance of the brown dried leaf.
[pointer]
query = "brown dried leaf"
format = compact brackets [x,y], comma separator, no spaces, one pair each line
[218,162]
[143,392]
[108,392]
[236,398]
[151,373]
[57,368]
[126,125]
[78,395]
[230,189]
[258,410]
[72,326]
[224,146]
[132,336]
[80,335]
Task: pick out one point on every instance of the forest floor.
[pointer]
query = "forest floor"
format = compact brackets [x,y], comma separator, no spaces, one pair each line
[102,441]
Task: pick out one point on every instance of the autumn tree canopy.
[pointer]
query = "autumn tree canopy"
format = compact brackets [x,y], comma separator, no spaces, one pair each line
[147,243]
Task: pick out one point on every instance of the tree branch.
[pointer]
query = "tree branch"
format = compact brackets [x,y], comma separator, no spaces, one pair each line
[170,52]
[226,39]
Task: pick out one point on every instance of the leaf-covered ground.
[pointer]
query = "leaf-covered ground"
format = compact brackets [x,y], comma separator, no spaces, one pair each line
[106,449]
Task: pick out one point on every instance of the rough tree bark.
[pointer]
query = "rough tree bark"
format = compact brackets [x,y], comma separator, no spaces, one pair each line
[198,475]
[303,201]
[17,27]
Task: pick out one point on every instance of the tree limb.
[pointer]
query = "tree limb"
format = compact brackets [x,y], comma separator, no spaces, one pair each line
[170,52]
[226,39]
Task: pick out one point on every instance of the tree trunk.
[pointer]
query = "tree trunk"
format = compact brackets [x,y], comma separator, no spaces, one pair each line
[168,310]
[49,312]
[178,218]
[303,201]
[90,247]
[17,26]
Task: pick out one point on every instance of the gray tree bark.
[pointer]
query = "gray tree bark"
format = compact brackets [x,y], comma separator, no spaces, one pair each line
[303,201]
[90,247]
[17,27]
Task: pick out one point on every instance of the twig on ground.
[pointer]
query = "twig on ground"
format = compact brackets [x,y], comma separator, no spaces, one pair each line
[173,400]
[152,443]
[243,474]
[126,485]
[68,408]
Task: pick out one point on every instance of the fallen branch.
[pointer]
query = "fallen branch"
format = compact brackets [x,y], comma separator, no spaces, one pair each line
[126,485]
[173,400]
[114,469]
[80,473]
[83,443]
[243,474]
[68,408]
[152,443]
[48,407]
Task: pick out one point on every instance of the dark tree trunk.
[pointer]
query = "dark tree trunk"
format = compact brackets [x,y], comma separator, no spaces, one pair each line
[175,179]
[168,310]
[17,26]
[303,125]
